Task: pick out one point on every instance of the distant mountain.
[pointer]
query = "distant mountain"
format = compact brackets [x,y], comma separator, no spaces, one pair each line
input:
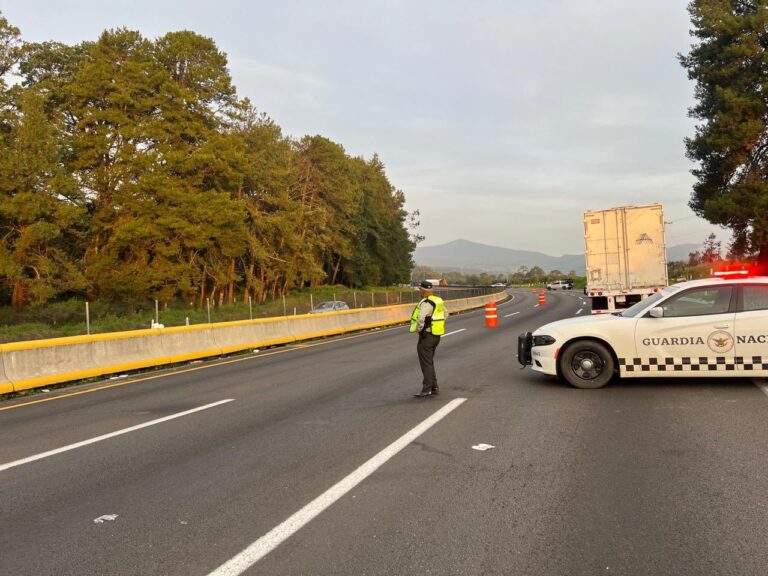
[471,257]
[681,251]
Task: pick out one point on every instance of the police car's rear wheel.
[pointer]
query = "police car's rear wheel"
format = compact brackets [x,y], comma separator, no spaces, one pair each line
[587,365]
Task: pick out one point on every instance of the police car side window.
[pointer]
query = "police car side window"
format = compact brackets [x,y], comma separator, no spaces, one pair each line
[699,301]
[755,298]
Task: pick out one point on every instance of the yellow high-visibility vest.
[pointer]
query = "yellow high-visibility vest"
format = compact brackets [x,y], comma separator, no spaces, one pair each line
[435,321]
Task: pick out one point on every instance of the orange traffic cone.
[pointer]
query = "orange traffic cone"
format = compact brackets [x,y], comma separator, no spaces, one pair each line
[542,298]
[491,317]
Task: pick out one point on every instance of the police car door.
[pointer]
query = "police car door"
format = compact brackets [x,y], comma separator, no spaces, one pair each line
[694,335]
[752,329]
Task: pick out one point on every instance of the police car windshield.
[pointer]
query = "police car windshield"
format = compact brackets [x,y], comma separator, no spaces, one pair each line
[643,305]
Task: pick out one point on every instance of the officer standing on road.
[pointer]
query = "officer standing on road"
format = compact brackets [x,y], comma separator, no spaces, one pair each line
[428,319]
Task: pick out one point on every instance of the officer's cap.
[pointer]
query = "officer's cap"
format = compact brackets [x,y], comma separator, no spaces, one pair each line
[426,285]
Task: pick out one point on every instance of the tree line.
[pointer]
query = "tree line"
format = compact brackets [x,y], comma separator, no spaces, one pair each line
[131,169]
[523,275]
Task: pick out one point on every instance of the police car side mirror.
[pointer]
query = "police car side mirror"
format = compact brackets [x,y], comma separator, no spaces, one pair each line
[657,312]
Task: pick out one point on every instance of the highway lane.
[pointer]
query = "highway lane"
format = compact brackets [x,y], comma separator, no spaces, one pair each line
[640,477]
[291,409]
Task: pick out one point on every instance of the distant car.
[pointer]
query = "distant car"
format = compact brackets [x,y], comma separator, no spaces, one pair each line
[498,284]
[329,306]
[560,285]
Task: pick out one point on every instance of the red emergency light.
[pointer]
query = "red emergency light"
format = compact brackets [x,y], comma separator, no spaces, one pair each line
[734,271]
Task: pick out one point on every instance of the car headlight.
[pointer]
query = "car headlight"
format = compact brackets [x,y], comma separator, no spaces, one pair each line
[543,340]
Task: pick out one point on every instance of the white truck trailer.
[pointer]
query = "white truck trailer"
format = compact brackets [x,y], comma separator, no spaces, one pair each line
[626,255]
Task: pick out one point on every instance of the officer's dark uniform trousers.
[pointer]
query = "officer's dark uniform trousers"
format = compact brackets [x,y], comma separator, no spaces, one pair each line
[426,350]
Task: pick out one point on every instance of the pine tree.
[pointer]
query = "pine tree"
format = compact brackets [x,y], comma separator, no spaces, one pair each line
[327,199]
[728,63]
[41,209]
[274,215]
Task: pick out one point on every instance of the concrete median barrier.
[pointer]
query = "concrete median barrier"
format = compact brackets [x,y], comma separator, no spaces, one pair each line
[6,385]
[43,362]
[307,326]
[455,306]
[367,318]
[126,351]
[244,334]
[25,365]
[182,343]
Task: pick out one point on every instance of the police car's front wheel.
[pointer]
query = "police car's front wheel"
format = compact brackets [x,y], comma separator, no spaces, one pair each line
[587,364]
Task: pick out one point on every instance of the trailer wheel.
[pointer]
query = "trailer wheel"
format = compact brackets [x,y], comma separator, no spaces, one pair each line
[587,364]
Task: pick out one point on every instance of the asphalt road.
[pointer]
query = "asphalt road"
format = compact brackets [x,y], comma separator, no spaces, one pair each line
[652,477]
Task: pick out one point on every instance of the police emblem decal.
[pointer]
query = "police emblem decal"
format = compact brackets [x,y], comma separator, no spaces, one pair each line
[720,342]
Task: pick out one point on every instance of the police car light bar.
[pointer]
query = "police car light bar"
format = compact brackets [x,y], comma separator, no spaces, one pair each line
[732,272]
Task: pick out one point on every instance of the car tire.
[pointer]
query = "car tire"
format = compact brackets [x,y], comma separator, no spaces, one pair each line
[587,364]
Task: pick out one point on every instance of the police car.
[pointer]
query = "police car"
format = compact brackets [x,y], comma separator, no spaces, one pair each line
[712,327]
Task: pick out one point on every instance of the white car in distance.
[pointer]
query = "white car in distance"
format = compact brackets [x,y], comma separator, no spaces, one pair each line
[560,285]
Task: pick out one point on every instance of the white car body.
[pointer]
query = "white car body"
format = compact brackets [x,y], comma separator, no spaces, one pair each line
[560,285]
[713,327]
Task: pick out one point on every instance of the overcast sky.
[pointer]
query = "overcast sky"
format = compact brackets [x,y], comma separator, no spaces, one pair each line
[500,120]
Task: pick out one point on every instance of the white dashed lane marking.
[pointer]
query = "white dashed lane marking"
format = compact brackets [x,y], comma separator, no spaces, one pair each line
[454,332]
[106,436]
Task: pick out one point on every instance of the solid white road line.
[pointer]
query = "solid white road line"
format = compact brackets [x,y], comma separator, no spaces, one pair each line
[106,436]
[579,311]
[264,545]
[536,306]
[513,313]
[454,332]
